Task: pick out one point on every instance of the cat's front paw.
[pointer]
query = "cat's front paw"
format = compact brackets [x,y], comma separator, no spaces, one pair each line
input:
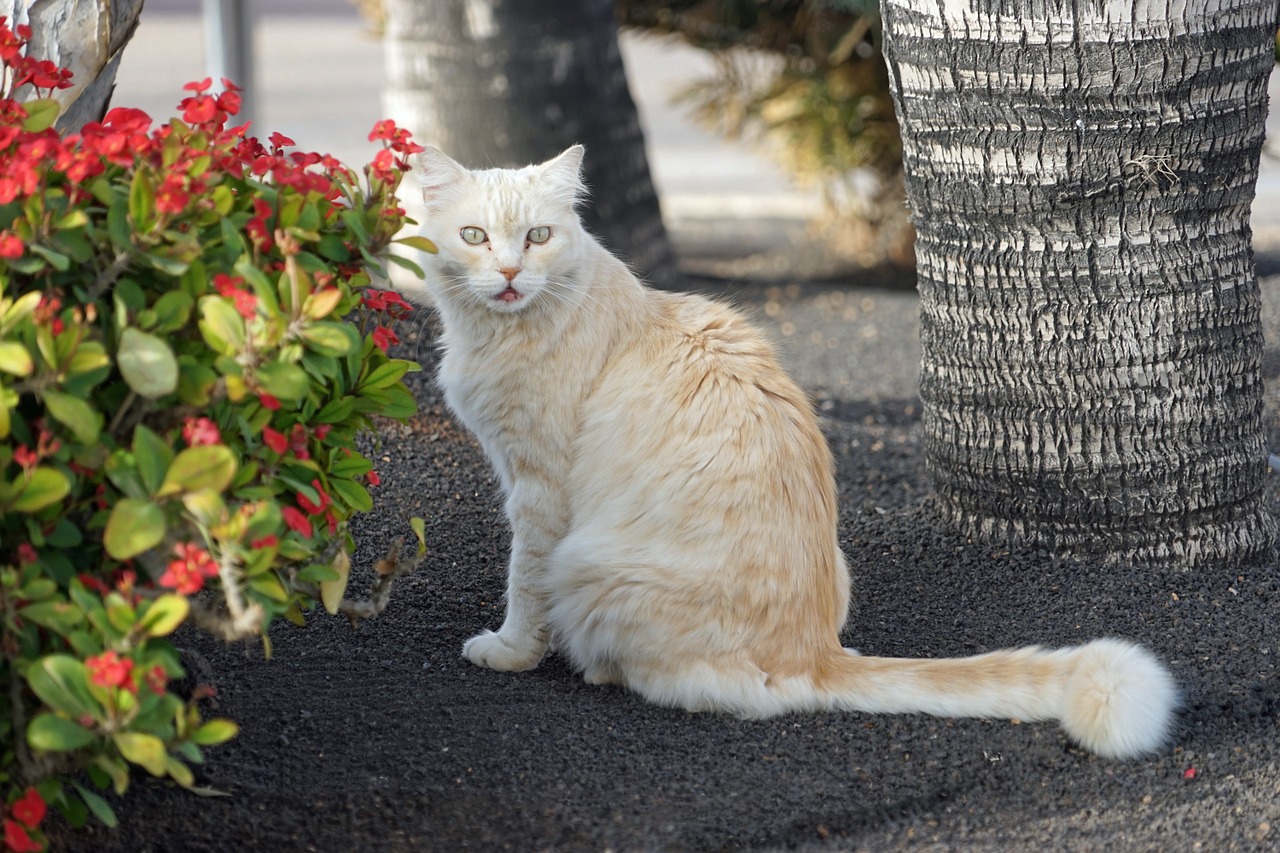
[496,651]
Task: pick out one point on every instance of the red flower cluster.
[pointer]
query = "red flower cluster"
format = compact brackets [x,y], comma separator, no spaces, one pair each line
[200,431]
[110,670]
[395,140]
[187,573]
[295,441]
[387,302]
[25,815]
[244,300]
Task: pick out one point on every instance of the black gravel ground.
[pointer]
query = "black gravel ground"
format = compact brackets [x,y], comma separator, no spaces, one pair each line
[383,738]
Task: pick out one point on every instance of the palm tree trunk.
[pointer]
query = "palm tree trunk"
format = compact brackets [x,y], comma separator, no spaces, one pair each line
[510,82]
[87,38]
[1081,183]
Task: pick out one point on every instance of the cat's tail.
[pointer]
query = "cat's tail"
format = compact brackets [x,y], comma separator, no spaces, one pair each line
[1112,697]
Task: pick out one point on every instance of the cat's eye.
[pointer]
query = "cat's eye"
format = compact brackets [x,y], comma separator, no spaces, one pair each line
[539,234]
[473,235]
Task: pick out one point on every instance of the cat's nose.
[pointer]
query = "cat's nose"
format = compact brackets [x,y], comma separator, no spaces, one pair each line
[510,273]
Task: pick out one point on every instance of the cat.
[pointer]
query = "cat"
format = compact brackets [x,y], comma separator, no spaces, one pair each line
[671,498]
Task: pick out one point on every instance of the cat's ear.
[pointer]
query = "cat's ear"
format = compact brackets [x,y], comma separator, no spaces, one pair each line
[436,172]
[565,171]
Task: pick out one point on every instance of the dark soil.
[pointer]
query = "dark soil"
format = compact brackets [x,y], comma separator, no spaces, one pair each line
[383,738]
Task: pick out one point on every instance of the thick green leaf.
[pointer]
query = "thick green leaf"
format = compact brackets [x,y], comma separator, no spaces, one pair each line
[284,381]
[142,201]
[164,615]
[331,339]
[386,375]
[335,411]
[52,733]
[134,526]
[59,616]
[15,359]
[422,244]
[75,414]
[98,806]
[41,114]
[221,326]
[352,494]
[172,310]
[331,591]
[404,263]
[116,770]
[61,683]
[147,364]
[196,468]
[215,732]
[44,486]
[152,455]
[419,530]
[145,750]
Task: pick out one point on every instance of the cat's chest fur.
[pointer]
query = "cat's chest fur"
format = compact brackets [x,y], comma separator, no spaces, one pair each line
[519,393]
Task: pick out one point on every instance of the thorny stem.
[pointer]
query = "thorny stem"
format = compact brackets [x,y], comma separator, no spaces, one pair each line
[108,276]
[246,620]
[390,569]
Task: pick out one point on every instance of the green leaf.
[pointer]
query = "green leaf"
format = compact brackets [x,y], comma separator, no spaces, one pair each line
[134,526]
[88,356]
[51,733]
[335,411]
[206,506]
[221,325]
[59,616]
[164,615]
[41,114]
[331,339]
[61,683]
[284,381]
[97,805]
[147,364]
[404,263]
[142,201]
[331,591]
[352,494]
[419,530]
[172,310]
[215,732]
[142,749]
[422,244]
[387,374]
[400,406]
[44,486]
[15,359]
[75,414]
[116,770]
[152,455]
[210,466]
[21,309]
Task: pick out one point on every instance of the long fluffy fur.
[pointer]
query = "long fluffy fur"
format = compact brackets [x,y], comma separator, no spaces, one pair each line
[672,499]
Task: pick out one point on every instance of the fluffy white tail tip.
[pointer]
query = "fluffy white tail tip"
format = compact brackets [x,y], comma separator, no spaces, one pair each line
[1119,700]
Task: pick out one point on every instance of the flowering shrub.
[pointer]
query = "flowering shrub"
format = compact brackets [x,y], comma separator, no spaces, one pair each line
[180,397]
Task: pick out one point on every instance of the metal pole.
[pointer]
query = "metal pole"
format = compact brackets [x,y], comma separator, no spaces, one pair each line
[229,50]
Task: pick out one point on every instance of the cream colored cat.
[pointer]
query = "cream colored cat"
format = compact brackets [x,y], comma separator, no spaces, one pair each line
[672,500]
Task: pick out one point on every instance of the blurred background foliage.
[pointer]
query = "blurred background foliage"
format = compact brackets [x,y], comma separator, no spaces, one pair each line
[804,79]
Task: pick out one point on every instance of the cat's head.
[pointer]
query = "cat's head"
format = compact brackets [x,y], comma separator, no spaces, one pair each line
[507,238]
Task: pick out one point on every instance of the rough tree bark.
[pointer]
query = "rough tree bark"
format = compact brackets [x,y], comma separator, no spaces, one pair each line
[88,38]
[1081,176]
[509,82]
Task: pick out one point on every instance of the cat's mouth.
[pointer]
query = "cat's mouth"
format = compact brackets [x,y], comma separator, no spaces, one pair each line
[509,295]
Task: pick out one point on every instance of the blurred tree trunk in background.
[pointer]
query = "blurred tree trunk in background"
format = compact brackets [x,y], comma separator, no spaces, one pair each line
[87,38]
[1081,180]
[511,82]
